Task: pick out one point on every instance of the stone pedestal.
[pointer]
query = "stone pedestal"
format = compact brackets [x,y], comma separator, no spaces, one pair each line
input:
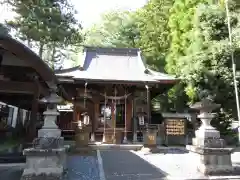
[82,136]
[92,137]
[108,137]
[213,161]
[135,140]
[150,138]
[213,156]
[44,164]
[125,140]
[47,159]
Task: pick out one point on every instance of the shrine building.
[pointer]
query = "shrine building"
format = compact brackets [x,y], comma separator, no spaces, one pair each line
[114,86]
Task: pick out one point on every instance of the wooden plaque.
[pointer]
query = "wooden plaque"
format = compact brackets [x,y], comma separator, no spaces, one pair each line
[175,127]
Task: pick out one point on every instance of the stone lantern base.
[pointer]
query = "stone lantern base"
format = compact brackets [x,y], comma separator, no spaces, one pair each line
[213,156]
[213,160]
[48,164]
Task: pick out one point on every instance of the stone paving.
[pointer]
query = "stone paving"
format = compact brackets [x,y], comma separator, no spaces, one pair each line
[179,164]
[128,165]
[82,168]
[124,165]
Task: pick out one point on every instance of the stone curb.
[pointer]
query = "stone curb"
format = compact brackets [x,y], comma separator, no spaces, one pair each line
[116,147]
[207,178]
[224,177]
[13,165]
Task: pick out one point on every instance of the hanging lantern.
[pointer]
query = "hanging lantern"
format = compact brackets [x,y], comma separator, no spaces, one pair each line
[86,118]
[79,124]
[141,120]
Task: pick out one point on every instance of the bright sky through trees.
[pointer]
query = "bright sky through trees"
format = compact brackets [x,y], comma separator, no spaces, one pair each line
[88,10]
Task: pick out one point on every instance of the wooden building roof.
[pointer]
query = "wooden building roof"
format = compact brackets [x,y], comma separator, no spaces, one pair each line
[114,65]
[22,73]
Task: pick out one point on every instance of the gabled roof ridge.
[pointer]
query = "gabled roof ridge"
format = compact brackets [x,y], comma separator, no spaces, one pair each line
[60,71]
[110,49]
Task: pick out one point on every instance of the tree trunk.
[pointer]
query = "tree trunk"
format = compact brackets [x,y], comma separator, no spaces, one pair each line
[40,52]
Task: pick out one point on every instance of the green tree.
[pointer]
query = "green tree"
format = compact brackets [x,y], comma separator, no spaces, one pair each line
[47,25]
[116,28]
[180,24]
[206,66]
[154,32]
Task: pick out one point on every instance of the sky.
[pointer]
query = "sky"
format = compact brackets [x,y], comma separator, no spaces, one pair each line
[89,11]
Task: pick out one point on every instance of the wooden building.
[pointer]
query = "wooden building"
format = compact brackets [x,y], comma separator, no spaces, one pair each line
[114,85]
[24,78]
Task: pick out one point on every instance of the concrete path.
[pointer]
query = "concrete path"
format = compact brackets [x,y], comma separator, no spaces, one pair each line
[124,165]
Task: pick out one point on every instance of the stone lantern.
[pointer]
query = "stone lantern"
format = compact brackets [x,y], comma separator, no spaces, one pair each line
[213,156]
[47,158]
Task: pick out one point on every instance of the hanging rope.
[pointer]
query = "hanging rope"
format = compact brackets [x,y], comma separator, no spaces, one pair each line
[116,97]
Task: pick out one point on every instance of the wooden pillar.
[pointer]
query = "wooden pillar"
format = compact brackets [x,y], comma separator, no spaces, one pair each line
[134,119]
[32,131]
[96,114]
[75,115]
[93,122]
[113,111]
[148,105]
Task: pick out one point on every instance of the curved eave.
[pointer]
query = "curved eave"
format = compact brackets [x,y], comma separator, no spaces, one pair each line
[70,79]
[67,70]
[23,52]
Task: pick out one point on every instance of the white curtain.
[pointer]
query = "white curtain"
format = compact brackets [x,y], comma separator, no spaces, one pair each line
[10,115]
[24,114]
[14,117]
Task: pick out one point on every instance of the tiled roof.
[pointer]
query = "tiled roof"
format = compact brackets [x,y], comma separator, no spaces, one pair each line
[114,64]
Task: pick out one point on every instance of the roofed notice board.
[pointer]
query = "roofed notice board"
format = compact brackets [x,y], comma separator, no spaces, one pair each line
[175,127]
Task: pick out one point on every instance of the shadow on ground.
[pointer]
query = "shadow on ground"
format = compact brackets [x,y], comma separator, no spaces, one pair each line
[82,164]
[173,151]
[124,165]
[164,151]
[11,173]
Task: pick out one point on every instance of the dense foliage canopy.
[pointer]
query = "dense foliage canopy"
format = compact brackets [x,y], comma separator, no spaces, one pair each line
[48,25]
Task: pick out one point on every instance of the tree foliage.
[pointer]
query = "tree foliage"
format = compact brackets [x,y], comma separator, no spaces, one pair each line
[146,29]
[206,65]
[180,24]
[115,29]
[47,24]
[154,32]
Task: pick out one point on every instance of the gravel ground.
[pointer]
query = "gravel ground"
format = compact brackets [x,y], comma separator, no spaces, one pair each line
[82,168]
[179,165]
[124,165]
